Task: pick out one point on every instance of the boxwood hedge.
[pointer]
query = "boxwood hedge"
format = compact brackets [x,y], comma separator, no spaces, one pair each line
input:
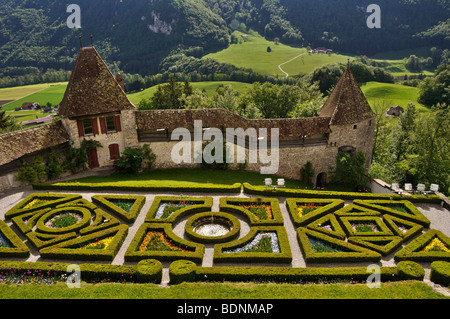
[440,272]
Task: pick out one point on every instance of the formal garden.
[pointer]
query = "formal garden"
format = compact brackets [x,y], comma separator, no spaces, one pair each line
[235,233]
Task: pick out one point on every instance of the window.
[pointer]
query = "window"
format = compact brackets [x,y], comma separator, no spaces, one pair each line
[88,127]
[110,124]
[355,127]
[114,152]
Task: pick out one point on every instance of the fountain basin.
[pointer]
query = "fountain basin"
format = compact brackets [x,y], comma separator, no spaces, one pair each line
[212,227]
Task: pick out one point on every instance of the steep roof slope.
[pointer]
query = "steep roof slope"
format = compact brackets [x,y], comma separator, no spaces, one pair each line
[92,88]
[16,144]
[347,104]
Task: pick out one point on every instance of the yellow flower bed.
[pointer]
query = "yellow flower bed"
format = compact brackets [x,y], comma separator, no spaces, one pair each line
[436,245]
[100,244]
[158,241]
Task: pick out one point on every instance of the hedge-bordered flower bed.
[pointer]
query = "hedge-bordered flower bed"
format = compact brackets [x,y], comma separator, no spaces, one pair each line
[75,249]
[421,248]
[241,252]
[331,249]
[329,225]
[384,245]
[129,214]
[12,246]
[270,207]
[365,226]
[408,210]
[188,205]
[187,250]
[31,203]
[322,208]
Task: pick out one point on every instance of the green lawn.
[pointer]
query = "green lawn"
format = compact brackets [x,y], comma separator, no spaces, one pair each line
[394,290]
[18,92]
[186,177]
[209,87]
[252,53]
[392,94]
[53,93]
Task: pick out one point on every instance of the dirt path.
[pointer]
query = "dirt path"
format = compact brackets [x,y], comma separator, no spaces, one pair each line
[279,66]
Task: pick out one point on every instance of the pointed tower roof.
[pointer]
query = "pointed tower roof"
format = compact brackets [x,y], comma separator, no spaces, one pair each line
[346,104]
[92,88]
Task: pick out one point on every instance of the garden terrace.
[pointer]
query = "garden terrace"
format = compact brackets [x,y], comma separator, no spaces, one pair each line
[276,237]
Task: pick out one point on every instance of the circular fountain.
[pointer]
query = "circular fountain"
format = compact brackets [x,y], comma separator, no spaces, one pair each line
[212,227]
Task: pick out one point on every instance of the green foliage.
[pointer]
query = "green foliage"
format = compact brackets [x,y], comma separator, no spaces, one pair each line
[440,273]
[434,91]
[132,159]
[55,165]
[33,171]
[410,270]
[149,270]
[350,171]
[307,174]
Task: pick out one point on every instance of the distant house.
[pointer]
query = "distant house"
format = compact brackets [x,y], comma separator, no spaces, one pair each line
[322,50]
[395,111]
[30,106]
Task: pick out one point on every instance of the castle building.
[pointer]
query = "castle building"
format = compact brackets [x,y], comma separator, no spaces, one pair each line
[95,107]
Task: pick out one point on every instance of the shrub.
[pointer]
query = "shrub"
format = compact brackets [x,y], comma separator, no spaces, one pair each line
[149,271]
[440,272]
[132,159]
[54,166]
[181,271]
[307,173]
[410,270]
[32,172]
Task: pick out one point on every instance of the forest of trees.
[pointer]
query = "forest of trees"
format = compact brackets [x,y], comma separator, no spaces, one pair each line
[138,35]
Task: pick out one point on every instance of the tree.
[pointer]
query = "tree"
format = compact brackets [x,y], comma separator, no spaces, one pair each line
[350,171]
[433,91]
[307,174]
[33,171]
[269,49]
[430,148]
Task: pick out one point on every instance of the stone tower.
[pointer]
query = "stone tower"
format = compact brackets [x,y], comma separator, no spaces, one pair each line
[352,121]
[95,107]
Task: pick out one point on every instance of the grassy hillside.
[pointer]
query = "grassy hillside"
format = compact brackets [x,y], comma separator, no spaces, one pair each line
[209,87]
[41,94]
[251,52]
[392,94]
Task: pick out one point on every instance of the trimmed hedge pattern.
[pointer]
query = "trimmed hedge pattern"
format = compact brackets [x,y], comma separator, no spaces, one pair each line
[328,224]
[284,255]
[232,234]
[129,216]
[196,205]
[440,272]
[236,205]
[329,206]
[190,250]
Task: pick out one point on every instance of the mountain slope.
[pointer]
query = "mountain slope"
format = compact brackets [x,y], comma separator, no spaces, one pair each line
[136,35]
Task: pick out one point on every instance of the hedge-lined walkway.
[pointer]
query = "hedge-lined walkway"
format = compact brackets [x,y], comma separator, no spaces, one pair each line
[438,216]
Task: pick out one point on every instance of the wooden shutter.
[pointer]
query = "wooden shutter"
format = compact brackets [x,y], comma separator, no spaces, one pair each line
[114,151]
[103,125]
[80,128]
[95,126]
[118,124]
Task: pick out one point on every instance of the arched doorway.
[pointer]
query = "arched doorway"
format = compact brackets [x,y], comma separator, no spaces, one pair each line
[321,179]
